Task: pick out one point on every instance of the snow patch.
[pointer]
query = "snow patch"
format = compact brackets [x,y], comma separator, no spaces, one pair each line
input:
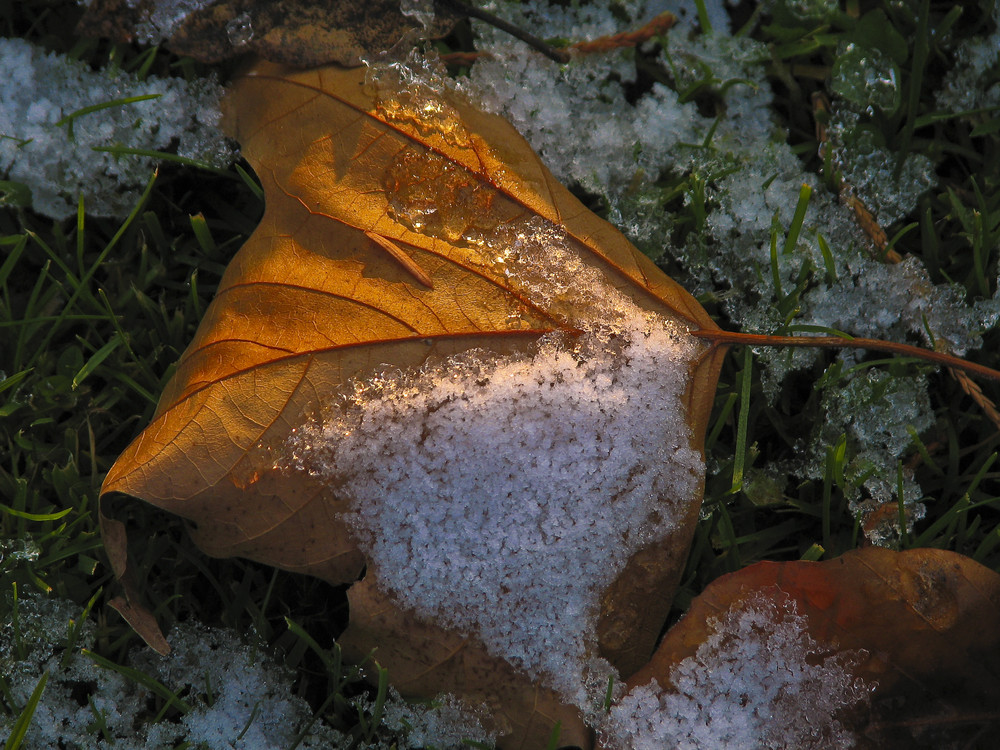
[500,495]
[240,697]
[58,163]
[740,170]
[758,681]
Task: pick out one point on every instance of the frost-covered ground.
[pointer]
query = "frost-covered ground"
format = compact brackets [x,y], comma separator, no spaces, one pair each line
[232,695]
[59,150]
[750,181]
[582,121]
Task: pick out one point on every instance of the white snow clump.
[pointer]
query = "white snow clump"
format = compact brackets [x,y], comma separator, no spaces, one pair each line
[443,723]
[161,18]
[758,681]
[58,162]
[251,693]
[499,495]
[972,83]
[240,698]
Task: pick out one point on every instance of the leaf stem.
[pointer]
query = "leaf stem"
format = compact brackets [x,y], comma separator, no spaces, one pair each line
[718,337]
[531,40]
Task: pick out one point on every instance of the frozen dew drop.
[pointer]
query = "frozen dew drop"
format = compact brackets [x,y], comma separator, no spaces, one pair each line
[867,77]
[239,30]
[422,11]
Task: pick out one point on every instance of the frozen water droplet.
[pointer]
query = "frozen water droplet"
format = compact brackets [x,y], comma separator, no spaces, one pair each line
[867,77]
[240,30]
[422,11]
[435,197]
[25,550]
[413,94]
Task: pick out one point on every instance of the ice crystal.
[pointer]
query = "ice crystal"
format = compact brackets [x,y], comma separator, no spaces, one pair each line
[875,414]
[867,77]
[973,82]
[745,179]
[869,168]
[444,723]
[501,495]
[160,18]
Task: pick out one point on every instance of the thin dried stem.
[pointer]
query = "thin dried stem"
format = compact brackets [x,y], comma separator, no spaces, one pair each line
[560,56]
[836,342]
[659,25]
[971,387]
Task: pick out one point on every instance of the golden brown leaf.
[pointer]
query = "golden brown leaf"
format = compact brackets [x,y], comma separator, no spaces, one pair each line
[363,258]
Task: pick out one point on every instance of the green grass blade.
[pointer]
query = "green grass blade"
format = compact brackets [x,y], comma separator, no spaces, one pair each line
[35,516]
[250,182]
[83,111]
[11,260]
[24,718]
[161,156]
[96,359]
[154,686]
[10,382]
[102,256]
[792,238]
[740,451]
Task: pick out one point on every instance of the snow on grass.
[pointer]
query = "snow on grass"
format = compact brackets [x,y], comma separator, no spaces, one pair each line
[748,180]
[56,156]
[443,723]
[972,83]
[239,697]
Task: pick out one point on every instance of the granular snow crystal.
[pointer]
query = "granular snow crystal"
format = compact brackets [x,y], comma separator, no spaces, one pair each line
[758,681]
[587,127]
[249,704]
[237,696]
[500,495]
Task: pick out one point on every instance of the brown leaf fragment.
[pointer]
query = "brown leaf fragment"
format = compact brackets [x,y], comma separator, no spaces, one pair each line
[425,659]
[302,33]
[138,617]
[922,627]
[635,606]
[115,540]
[141,620]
